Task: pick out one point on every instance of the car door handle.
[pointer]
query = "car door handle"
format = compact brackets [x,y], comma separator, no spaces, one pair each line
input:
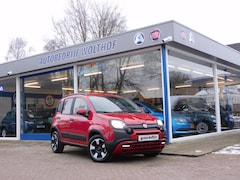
[71,119]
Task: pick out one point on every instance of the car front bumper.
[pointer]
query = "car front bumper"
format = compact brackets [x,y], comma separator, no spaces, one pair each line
[138,142]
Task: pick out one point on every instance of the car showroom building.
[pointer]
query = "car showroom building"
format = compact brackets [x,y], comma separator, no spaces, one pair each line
[192,78]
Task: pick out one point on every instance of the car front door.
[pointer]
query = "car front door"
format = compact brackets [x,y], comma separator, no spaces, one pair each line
[64,118]
[80,123]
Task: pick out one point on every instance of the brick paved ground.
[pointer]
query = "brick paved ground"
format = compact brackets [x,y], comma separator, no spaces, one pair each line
[34,160]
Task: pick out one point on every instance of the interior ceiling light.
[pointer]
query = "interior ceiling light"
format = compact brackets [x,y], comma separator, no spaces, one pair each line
[67,88]
[211,83]
[197,72]
[59,79]
[171,66]
[31,83]
[112,92]
[93,73]
[131,66]
[183,69]
[183,86]
[32,86]
[230,80]
[153,89]
[129,91]
[87,90]
[209,75]
[99,91]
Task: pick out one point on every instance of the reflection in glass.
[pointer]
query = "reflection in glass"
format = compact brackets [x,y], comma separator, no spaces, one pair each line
[40,97]
[229,97]
[8,106]
[189,90]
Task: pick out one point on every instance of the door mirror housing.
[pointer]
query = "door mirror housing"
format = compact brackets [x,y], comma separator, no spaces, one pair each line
[82,111]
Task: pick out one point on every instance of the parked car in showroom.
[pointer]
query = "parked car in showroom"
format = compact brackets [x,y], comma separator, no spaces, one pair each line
[8,125]
[33,123]
[181,125]
[197,109]
[106,125]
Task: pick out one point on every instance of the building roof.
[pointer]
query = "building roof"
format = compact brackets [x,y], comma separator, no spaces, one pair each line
[235,46]
[173,34]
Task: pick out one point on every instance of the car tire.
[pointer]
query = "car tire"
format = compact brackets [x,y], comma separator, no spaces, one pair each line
[97,149]
[4,132]
[56,144]
[202,128]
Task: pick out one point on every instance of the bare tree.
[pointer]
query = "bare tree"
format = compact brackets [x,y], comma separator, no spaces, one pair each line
[17,49]
[53,44]
[87,20]
[106,20]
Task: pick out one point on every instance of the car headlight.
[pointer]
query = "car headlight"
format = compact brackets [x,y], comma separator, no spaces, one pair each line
[213,118]
[231,118]
[118,124]
[181,120]
[160,123]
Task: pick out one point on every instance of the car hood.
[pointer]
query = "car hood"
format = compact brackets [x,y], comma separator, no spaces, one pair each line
[132,118]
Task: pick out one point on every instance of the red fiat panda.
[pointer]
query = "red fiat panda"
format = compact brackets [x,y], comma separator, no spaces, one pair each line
[106,125]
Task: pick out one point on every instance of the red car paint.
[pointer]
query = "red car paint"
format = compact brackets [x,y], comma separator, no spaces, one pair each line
[106,125]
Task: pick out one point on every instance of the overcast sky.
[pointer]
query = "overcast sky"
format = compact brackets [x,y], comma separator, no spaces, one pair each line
[32,19]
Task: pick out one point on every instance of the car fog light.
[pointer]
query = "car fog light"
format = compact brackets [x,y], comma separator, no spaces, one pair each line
[129,130]
[126,146]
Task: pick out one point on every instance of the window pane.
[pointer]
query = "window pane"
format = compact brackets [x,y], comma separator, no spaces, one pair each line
[67,106]
[40,97]
[8,108]
[190,85]
[229,97]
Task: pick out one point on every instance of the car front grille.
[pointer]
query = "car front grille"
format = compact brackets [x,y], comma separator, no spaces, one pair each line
[144,147]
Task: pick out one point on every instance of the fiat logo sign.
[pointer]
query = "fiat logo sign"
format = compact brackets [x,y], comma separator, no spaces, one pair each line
[155,35]
[145,126]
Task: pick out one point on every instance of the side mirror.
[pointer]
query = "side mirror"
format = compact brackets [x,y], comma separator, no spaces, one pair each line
[82,111]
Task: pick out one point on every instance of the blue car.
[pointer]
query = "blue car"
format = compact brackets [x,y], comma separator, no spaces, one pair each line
[181,125]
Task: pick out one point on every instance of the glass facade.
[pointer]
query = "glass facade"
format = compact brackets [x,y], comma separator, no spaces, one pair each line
[8,107]
[192,88]
[229,97]
[193,93]
[39,97]
[137,77]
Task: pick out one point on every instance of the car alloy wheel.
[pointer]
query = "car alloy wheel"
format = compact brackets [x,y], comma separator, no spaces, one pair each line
[56,144]
[97,149]
[202,127]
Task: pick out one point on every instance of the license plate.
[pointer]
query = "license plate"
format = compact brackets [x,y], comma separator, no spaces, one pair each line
[40,126]
[149,137]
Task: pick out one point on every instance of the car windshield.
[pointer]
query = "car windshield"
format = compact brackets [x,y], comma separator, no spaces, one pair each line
[153,108]
[109,104]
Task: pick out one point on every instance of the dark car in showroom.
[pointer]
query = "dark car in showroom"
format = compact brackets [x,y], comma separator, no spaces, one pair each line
[181,125]
[197,110]
[105,125]
[203,114]
[8,125]
[32,123]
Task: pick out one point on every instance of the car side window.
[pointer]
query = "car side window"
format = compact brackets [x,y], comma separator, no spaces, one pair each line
[59,106]
[79,103]
[67,104]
